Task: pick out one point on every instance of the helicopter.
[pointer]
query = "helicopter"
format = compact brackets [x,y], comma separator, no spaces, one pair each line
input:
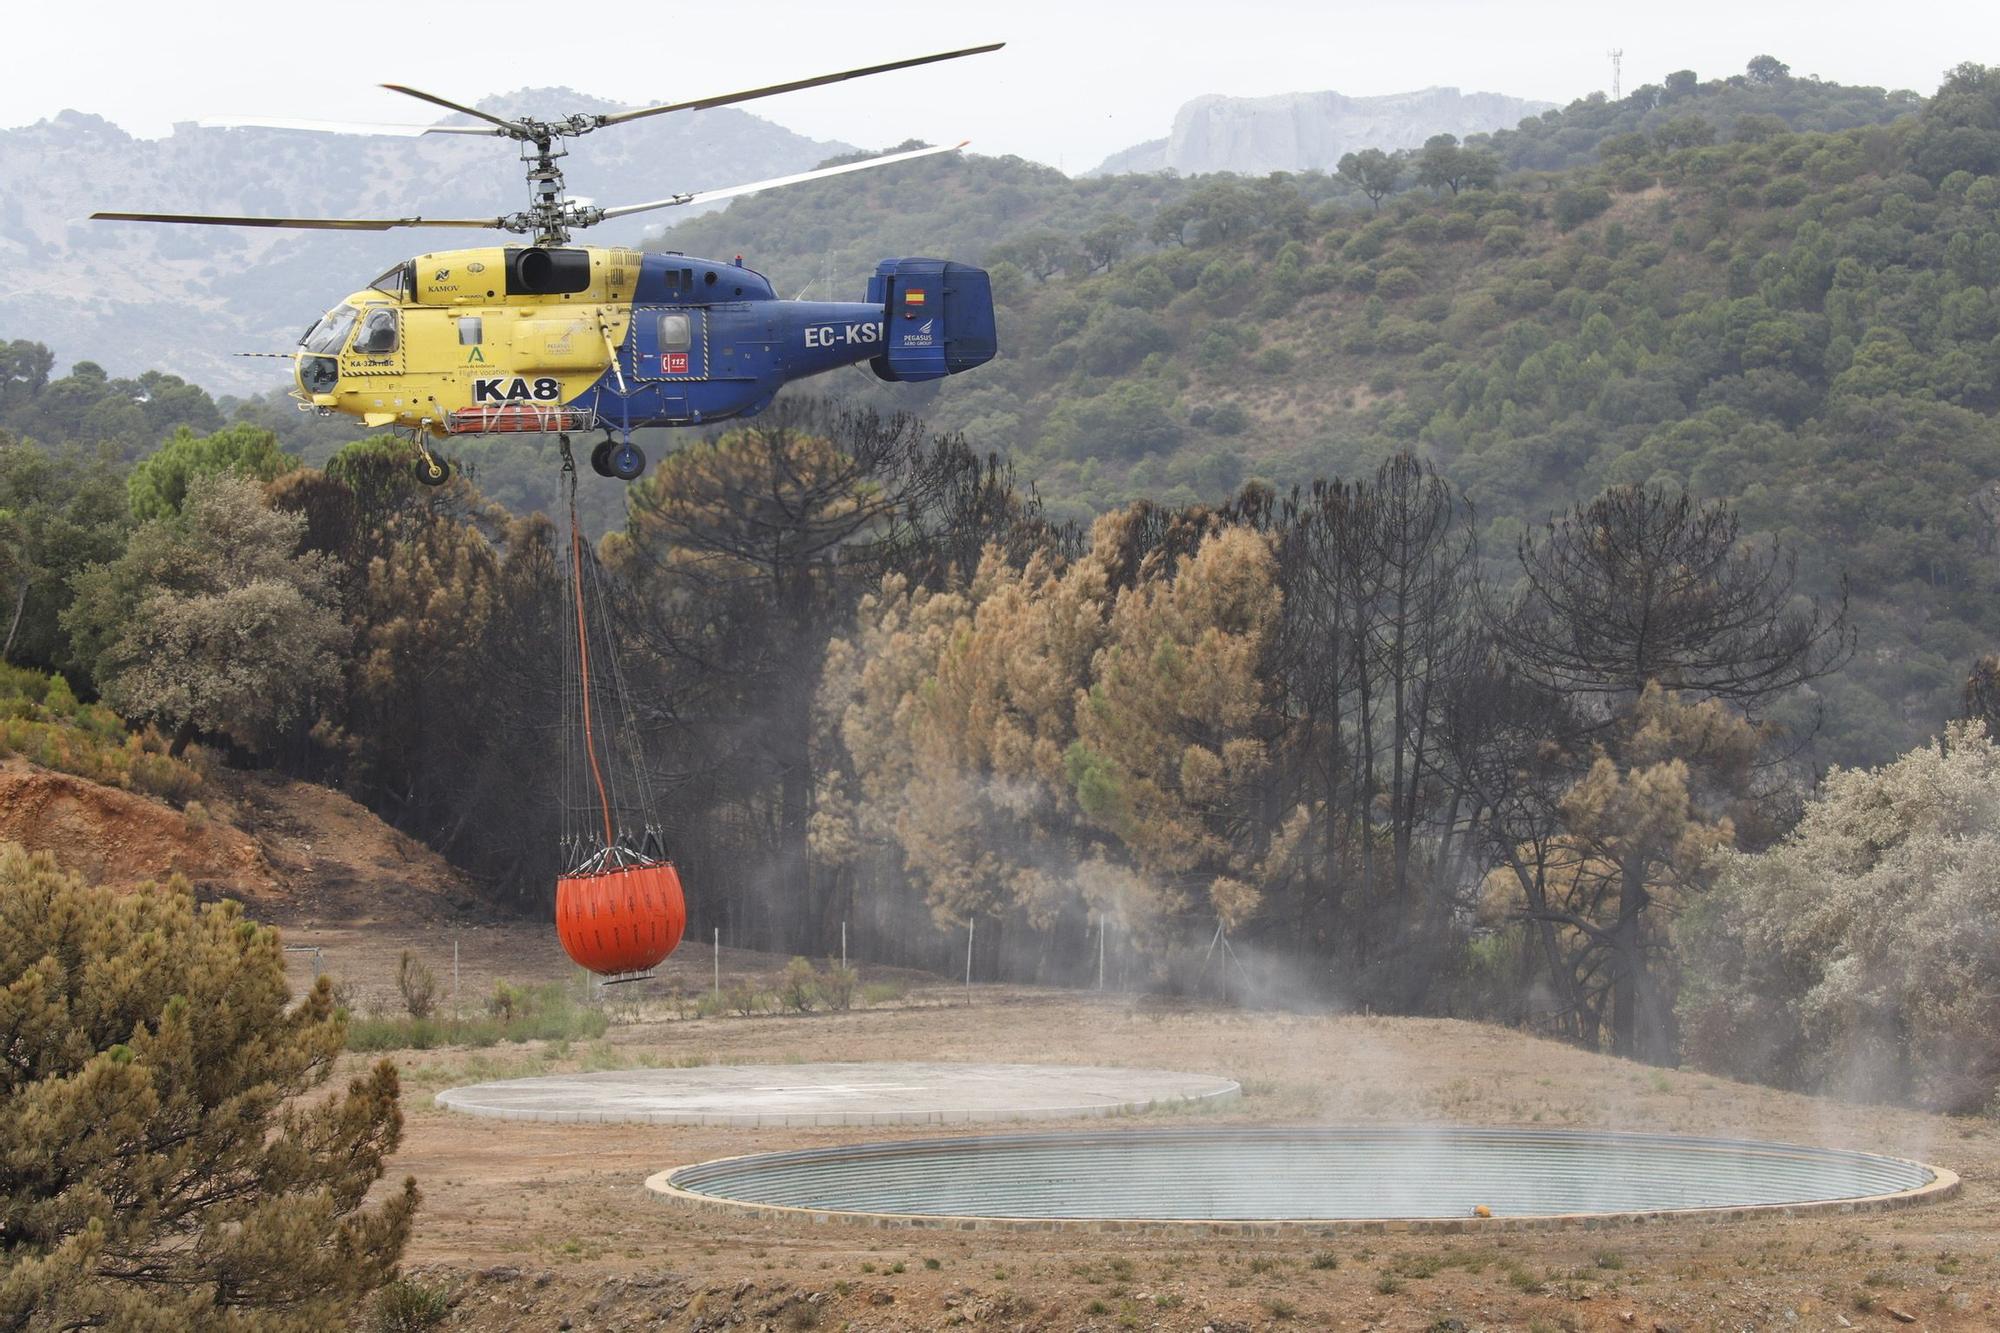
[546,337]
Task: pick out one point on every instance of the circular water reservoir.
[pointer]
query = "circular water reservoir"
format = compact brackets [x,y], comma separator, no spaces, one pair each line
[1422,1178]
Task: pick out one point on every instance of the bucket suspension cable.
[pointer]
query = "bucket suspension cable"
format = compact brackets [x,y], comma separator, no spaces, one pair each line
[608,817]
[642,836]
[583,650]
[619,904]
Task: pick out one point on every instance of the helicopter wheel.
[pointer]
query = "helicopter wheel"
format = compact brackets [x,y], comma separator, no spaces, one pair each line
[627,462]
[600,458]
[432,470]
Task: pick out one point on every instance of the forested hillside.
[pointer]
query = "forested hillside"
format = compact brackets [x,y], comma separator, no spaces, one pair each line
[1766,95]
[966,206]
[1804,321]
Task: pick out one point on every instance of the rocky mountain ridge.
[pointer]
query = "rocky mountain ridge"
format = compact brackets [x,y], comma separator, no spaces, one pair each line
[183,299]
[1310,131]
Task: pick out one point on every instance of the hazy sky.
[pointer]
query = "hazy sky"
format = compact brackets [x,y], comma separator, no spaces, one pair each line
[1076,82]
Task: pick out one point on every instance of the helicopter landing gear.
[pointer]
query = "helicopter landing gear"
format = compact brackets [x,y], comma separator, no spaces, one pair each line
[626,461]
[431,470]
[614,459]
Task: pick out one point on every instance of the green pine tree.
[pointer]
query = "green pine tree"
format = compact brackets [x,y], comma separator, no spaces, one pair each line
[160,1165]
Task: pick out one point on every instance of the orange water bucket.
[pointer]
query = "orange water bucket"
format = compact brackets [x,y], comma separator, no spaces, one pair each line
[623,920]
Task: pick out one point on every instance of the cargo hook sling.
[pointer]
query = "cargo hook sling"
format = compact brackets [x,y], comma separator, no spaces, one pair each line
[619,905]
[583,639]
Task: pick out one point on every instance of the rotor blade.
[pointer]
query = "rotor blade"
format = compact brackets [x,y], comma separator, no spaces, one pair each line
[702,104]
[728,192]
[309,224]
[435,100]
[339,126]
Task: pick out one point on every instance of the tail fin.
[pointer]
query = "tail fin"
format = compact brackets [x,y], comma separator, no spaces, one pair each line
[938,317]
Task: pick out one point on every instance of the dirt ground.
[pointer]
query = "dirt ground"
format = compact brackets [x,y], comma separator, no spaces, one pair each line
[534,1226]
[295,853]
[123,839]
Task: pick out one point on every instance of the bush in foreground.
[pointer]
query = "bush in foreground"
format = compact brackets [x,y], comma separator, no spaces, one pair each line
[161,1168]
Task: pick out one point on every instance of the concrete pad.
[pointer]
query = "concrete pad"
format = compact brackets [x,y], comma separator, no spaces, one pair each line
[789,1096]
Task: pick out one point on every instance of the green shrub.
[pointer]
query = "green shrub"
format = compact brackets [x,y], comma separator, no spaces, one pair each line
[1279,297]
[1319,278]
[20,682]
[42,721]
[837,986]
[1578,205]
[1424,228]
[402,1033]
[1221,419]
[404,1306]
[417,984]
[168,779]
[743,998]
[1404,335]
[551,1011]
[883,992]
[547,1012]
[60,700]
[1397,282]
[509,1002]
[1786,191]
[1217,351]
[798,990]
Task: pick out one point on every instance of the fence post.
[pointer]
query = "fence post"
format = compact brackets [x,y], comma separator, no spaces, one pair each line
[969,922]
[718,961]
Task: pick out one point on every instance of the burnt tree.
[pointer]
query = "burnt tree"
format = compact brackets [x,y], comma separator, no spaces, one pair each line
[1643,586]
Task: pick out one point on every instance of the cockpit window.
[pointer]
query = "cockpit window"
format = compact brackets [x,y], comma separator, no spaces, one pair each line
[397,282]
[331,332]
[378,332]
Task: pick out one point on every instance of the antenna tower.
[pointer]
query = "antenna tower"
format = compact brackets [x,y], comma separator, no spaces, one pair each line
[1617,54]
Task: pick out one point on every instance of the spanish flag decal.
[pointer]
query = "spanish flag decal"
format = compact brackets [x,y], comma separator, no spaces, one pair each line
[914,296]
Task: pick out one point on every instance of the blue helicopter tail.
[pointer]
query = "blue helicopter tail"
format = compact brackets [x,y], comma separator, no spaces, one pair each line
[939,318]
